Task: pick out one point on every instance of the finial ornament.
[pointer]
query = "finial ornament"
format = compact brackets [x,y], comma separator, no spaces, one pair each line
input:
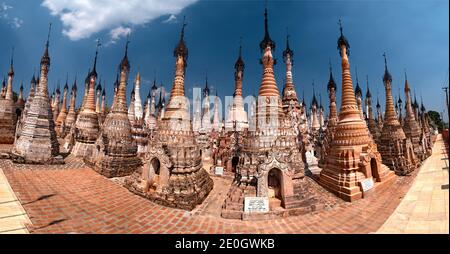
[240,46]
[331,83]
[183,26]
[12,56]
[368,94]
[125,63]
[11,68]
[342,41]
[387,75]
[48,36]
[126,45]
[267,41]
[45,60]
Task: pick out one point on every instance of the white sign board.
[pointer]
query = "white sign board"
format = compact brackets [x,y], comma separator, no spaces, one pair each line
[219,171]
[256,205]
[367,184]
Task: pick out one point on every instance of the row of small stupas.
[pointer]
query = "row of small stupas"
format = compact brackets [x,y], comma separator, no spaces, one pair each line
[161,151]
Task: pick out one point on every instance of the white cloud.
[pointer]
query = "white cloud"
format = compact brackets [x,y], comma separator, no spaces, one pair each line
[172,19]
[5,7]
[14,22]
[117,33]
[82,18]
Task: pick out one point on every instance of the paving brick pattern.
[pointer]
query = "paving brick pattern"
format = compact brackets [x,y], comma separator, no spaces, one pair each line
[425,207]
[74,199]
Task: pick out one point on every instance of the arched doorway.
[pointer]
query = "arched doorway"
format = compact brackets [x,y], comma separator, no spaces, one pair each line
[154,172]
[234,163]
[374,169]
[274,182]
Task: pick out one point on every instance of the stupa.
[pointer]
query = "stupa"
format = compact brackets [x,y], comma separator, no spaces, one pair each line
[173,174]
[37,142]
[20,103]
[371,123]
[411,127]
[56,106]
[87,124]
[137,123]
[8,111]
[71,114]
[396,150]
[116,150]
[237,116]
[60,121]
[270,164]
[352,157]
[332,120]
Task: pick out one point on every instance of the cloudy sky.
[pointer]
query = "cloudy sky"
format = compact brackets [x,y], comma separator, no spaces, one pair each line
[413,33]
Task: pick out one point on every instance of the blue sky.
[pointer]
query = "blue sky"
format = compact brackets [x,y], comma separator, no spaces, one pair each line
[414,35]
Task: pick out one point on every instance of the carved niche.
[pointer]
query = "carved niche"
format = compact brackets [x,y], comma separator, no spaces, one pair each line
[165,164]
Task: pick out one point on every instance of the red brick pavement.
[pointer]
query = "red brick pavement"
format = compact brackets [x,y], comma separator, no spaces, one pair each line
[74,199]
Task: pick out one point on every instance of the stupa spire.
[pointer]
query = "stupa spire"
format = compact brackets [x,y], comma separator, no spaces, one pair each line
[181,54]
[239,72]
[267,41]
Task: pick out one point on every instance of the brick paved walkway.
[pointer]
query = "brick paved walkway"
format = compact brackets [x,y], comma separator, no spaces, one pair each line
[12,216]
[74,199]
[425,207]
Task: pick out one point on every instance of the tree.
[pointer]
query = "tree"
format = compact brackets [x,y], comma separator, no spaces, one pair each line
[436,118]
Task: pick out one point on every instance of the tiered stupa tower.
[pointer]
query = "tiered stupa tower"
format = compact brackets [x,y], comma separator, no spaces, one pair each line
[173,173]
[237,116]
[72,114]
[315,125]
[150,115]
[411,127]
[8,110]
[353,156]
[358,96]
[400,108]
[137,123]
[332,119]
[216,121]
[290,98]
[371,123]
[103,106]
[270,163]
[321,114]
[98,97]
[20,103]
[379,116]
[87,124]
[63,112]
[56,106]
[37,142]
[426,136]
[138,112]
[396,150]
[33,87]
[205,114]
[116,153]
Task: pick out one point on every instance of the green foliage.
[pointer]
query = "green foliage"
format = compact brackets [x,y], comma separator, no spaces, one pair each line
[435,117]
